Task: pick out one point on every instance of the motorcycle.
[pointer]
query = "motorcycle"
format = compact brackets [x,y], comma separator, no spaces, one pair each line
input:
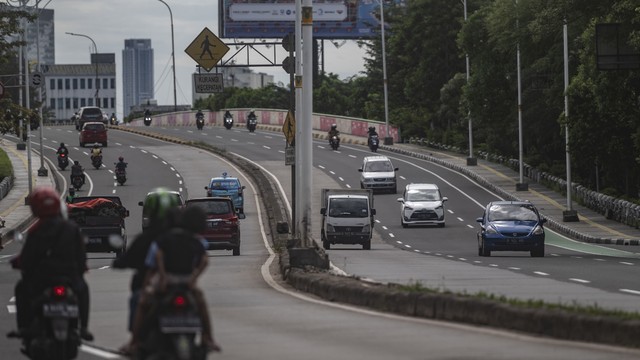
[147,120]
[121,176]
[113,120]
[200,121]
[77,182]
[96,161]
[334,142]
[373,143]
[228,122]
[251,124]
[63,161]
[174,327]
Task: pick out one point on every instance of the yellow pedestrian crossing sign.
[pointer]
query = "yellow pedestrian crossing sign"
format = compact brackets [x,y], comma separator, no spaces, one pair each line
[207,49]
[289,128]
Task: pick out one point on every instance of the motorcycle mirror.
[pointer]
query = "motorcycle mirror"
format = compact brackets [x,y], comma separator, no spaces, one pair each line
[241,216]
[116,241]
[15,235]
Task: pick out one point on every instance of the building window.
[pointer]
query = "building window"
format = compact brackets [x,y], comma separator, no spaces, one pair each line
[75,84]
[89,84]
[67,102]
[52,84]
[60,103]
[113,84]
[67,84]
[75,103]
[83,102]
[105,83]
[113,103]
[52,104]
[59,84]
[82,83]
[90,102]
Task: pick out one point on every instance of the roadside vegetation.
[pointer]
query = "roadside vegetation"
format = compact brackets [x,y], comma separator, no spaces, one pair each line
[6,169]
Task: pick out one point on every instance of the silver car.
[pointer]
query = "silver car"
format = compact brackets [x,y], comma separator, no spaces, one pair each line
[422,204]
[378,173]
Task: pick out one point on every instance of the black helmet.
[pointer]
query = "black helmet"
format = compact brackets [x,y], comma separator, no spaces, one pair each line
[72,191]
[96,145]
[371,128]
[120,158]
[61,144]
[76,162]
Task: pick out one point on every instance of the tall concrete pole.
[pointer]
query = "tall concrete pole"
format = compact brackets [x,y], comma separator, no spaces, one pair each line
[307,107]
[173,58]
[298,115]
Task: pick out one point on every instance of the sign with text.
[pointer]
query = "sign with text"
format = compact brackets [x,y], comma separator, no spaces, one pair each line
[208,83]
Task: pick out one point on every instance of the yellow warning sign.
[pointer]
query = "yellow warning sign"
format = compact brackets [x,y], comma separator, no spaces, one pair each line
[207,49]
[289,128]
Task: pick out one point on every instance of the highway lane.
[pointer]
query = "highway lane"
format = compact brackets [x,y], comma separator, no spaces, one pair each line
[571,272]
[256,316]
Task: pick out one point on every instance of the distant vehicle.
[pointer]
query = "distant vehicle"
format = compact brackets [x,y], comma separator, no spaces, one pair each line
[347,217]
[223,225]
[93,132]
[100,218]
[378,173]
[511,226]
[228,186]
[422,204]
[146,210]
[89,114]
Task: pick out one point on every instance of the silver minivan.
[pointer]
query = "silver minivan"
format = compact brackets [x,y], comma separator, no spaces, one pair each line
[378,173]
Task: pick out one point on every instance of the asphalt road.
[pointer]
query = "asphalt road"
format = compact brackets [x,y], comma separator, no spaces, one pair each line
[255,316]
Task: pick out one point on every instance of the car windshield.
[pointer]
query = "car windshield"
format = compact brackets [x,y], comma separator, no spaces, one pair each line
[91,112]
[422,195]
[512,212]
[378,166]
[212,207]
[348,208]
[224,185]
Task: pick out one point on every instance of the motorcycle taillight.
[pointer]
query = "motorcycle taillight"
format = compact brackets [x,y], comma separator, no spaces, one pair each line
[62,155]
[179,301]
[59,291]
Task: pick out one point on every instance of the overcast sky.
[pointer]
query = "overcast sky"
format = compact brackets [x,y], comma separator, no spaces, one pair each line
[110,22]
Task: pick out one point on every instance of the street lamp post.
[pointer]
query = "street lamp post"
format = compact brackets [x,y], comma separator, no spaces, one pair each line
[388,140]
[471,161]
[42,171]
[95,48]
[173,58]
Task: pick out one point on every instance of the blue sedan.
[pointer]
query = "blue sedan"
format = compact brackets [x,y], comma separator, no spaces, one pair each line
[511,226]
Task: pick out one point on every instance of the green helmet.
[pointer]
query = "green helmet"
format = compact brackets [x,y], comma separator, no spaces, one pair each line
[158,205]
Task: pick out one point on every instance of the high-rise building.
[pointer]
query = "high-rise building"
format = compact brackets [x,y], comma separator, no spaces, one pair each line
[39,35]
[137,73]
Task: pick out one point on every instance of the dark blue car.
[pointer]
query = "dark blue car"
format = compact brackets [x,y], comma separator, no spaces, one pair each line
[511,226]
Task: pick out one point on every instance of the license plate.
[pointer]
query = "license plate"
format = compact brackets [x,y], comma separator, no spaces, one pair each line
[515,241]
[95,241]
[60,310]
[180,323]
[213,224]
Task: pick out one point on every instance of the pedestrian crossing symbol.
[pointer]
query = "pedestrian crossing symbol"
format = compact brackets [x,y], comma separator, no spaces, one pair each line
[207,49]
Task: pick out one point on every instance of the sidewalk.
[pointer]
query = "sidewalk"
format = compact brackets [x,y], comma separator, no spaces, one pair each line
[592,227]
[13,210]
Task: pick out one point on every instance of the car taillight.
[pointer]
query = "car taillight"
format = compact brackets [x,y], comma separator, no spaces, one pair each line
[179,301]
[59,291]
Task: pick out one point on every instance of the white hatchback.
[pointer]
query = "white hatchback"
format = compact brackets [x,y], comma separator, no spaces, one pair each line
[422,204]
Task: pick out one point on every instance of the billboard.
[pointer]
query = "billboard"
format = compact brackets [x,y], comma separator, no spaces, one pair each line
[332,19]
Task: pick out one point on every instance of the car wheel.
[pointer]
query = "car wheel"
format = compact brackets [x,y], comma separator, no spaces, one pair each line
[367,245]
[485,252]
[81,144]
[537,253]
[236,251]
[404,225]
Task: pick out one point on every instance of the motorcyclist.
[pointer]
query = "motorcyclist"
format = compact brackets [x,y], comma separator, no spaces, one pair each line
[77,170]
[114,119]
[121,165]
[199,114]
[54,248]
[147,113]
[178,256]
[227,114]
[71,194]
[371,132]
[159,204]
[62,150]
[96,151]
[334,132]
[251,116]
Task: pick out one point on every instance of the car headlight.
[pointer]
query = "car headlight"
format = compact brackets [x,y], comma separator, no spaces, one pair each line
[491,230]
[538,230]
[366,228]
[409,208]
[330,228]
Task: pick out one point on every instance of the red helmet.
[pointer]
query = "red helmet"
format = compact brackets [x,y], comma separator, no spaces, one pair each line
[45,202]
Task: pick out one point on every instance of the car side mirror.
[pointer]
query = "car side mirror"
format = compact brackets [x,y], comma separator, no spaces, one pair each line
[323,211]
[480,219]
[444,198]
[373,211]
[396,169]
[140,203]
[360,170]
[242,216]
[206,188]
[400,200]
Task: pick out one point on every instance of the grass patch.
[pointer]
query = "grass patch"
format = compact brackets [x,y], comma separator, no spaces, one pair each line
[6,169]
[587,310]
